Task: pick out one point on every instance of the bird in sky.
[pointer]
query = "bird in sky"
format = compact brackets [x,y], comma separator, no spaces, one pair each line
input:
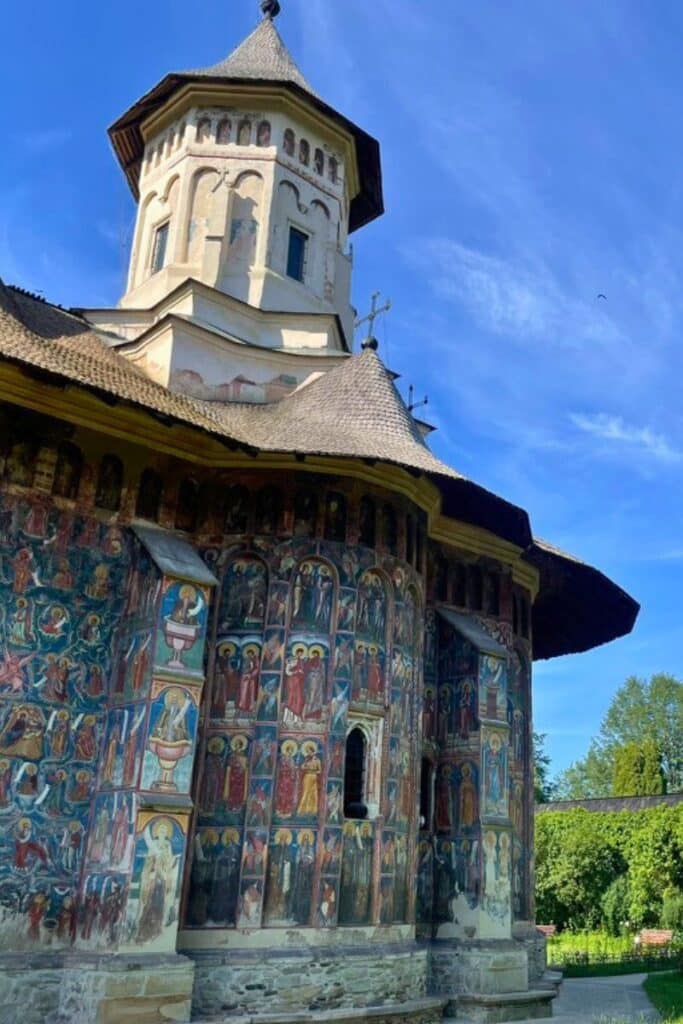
[601,296]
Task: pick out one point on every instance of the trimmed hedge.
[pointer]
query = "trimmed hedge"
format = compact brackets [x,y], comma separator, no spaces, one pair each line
[619,871]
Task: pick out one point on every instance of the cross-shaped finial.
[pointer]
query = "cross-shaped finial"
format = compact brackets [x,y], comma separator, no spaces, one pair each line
[270,8]
[371,341]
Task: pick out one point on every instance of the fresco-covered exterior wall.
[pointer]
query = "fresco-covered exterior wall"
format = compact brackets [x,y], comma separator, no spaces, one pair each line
[310,639]
[173,743]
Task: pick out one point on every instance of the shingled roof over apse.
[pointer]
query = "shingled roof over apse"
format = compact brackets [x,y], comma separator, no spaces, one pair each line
[354,411]
[261,60]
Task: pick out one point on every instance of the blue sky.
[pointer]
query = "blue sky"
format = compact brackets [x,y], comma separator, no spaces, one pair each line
[532,159]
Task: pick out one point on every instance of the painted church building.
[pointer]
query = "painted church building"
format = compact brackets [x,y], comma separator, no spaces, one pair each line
[265,661]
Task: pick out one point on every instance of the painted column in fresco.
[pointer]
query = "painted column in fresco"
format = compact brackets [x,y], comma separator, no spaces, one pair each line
[136,851]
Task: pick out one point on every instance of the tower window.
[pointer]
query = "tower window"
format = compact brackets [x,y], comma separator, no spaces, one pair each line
[244,133]
[354,775]
[223,130]
[263,134]
[159,247]
[319,161]
[203,129]
[333,170]
[296,254]
[289,142]
[304,152]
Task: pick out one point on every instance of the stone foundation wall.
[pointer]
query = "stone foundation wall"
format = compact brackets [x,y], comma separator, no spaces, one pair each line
[277,981]
[70,989]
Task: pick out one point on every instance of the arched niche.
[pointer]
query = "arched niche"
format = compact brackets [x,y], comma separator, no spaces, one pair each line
[373,621]
[202,188]
[109,483]
[245,219]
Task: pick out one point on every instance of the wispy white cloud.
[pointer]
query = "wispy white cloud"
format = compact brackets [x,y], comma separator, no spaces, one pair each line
[523,301]
[614,429]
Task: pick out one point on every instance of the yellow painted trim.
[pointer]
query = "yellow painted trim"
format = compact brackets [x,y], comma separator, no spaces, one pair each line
[260,98]
[80,407]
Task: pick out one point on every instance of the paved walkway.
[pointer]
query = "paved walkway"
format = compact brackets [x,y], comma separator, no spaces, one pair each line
[588,999]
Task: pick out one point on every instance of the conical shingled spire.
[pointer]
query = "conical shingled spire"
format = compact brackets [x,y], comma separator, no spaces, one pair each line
[261,57]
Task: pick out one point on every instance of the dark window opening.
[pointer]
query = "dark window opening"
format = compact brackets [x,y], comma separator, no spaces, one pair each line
[160,247]
[492,603]
[236,509]
[67,471]
[390,530]
[460,586]
[354,775]
[305,512]
[426,794]
[441,579]
[296,254]
[410,540]
[368,522]
[244,133]
[149,496]
[524,618]
[335,517]
[187,509]
[475,588]
[109,483]
[268,508]
[319,161]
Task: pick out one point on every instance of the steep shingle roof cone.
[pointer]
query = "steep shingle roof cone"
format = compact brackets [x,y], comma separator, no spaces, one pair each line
[262,57]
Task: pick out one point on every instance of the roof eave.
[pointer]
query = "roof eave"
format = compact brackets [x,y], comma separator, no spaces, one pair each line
[578,607]
[126,138]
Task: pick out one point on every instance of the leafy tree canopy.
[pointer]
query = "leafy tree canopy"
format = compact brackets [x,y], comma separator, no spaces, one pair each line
[640,744]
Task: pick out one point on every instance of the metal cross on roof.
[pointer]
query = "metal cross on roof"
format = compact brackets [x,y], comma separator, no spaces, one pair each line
[370,341]
[270,8]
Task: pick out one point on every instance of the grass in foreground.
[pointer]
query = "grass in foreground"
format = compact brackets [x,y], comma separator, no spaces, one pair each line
[665,991]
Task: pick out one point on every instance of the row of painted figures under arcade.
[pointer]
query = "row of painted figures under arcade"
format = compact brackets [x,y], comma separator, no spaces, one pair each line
[102,665]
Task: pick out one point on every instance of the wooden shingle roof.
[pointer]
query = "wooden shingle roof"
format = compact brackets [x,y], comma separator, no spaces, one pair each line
[353,411]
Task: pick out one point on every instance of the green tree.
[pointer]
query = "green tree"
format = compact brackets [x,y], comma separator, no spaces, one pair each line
[652,709]
[638,770]
[544,787]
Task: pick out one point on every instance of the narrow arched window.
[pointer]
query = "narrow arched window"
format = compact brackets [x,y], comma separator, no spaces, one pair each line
[244,133]
[333,170]
[263,134]
[187,509]
[181,134]
[223,131]
[304,152]
[109,483]
[354,775]
[426,794]
[149,496]
[289,142]
[389,530]
[367,526]
[475,595]
[319,162]
[335,516]
[68,471]
[203,129]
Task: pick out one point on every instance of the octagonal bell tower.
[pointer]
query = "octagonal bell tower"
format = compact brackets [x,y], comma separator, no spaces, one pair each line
[248,184]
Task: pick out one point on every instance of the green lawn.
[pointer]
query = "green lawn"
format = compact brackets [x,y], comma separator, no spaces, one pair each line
[666,993]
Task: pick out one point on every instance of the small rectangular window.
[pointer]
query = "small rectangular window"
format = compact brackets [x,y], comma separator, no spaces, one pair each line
[296,254]
[159,247]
